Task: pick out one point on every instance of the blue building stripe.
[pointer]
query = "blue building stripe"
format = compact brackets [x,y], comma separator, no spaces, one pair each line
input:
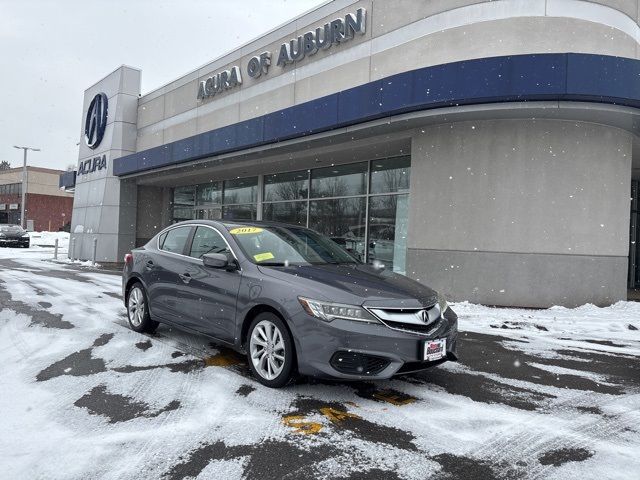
[563,76]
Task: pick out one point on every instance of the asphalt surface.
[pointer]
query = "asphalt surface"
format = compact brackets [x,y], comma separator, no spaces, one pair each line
[491,415]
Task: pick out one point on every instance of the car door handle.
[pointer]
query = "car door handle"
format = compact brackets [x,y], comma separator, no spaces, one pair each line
[185,277]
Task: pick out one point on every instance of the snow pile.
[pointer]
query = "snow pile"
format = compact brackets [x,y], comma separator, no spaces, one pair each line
[48,239]
[612,329]
[80,263]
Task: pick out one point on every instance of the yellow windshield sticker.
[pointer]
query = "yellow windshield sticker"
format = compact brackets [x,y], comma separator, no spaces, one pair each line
[261,257]
[245,230]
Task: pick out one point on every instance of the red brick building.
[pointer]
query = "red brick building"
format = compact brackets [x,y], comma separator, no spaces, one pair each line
[47,206]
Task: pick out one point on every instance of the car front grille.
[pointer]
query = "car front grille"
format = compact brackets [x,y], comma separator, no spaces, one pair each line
[421,321]
[354,363]
[411,327]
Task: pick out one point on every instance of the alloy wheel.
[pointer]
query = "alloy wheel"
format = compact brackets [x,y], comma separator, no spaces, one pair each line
[267,350]
[136,306]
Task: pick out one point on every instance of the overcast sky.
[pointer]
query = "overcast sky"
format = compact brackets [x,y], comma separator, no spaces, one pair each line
[52,50]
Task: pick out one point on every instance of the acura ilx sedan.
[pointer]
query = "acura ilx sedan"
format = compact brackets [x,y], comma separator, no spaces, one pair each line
[289,298]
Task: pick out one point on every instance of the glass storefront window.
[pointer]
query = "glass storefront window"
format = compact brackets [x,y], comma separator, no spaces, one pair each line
[390,175]
[332,200]
[210,213]
[286,186]
[387,241]
[342,220]
[294,213]
[184,198]
[184,195]
[239,212]
[209,193]
[182,213]
[241,190]
[339,181]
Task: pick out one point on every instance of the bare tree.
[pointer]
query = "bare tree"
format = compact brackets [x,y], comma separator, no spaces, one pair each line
[4,165]
[291,190]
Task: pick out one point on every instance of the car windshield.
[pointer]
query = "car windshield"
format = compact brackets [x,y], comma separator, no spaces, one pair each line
[10,228]
[284,246]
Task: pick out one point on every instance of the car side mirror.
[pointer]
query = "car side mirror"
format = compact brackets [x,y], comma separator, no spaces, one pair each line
[220,260]
[215,260]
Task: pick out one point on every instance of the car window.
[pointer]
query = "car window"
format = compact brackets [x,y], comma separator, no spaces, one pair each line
[161,240]
[287,245]
[207,240]
[175,240]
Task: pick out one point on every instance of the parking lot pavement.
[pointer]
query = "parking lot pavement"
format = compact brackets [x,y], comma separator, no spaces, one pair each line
[536,394]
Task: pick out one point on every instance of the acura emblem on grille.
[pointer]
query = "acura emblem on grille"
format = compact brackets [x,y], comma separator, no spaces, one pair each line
[425,316]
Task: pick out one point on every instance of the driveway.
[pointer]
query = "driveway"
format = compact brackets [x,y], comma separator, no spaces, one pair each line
[536,394]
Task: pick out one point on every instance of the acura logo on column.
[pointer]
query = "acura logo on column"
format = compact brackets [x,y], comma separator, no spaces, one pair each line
[96,120]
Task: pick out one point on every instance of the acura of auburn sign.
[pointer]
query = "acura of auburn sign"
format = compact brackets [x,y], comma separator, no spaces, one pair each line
[322,38]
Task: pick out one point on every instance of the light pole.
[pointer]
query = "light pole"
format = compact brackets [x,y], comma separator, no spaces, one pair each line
[23,220]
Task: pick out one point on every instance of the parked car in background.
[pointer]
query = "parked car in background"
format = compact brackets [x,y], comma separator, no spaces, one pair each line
[288,297]
[14,236]
[381,242]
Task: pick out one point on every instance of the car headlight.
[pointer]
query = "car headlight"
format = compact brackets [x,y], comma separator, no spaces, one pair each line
[330,311]
[443,303]
[1,234]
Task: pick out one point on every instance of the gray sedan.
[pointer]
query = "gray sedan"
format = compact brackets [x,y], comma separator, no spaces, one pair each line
[291,299]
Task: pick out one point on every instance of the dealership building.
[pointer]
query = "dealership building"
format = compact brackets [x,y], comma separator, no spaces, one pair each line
[486,148]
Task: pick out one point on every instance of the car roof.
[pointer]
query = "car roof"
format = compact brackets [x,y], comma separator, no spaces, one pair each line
[238,223]
[257,223]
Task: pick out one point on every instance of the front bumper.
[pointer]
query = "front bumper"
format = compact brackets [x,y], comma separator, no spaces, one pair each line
[391,352]
[14,242]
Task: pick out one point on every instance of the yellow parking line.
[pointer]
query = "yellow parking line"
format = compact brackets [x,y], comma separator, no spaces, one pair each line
[300,425]
[336,416]
[394,398]
[223,359]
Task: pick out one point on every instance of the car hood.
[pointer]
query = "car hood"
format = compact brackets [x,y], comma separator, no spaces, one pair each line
[358,284]
[12,232]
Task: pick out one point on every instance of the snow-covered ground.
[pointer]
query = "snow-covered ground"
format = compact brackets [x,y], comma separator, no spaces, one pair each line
[48,239]
[537,394]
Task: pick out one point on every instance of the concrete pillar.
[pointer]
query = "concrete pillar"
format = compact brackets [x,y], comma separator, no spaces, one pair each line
[528,213]
[150,213]
[104,207]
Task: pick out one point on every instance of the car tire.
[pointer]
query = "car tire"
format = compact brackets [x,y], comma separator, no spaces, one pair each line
[138,310]
[270,350]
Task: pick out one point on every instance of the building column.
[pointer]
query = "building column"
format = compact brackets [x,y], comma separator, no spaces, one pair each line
[104,207]
[528,213]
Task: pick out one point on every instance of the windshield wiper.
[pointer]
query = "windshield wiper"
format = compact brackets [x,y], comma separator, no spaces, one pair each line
[271,264]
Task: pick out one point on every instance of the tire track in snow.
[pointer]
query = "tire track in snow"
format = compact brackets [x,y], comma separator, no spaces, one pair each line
[16,337]
[587,436]
[141,389]
[144,454]
[527,445]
